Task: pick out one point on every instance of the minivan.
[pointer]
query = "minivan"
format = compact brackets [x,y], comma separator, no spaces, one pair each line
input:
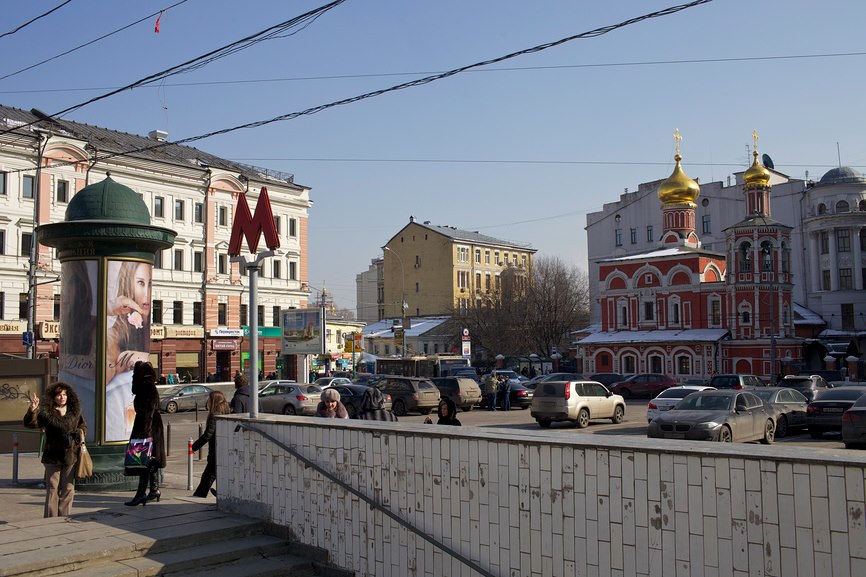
[575,401]
[464,391]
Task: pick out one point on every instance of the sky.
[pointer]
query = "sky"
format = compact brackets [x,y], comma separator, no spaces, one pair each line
[520,150]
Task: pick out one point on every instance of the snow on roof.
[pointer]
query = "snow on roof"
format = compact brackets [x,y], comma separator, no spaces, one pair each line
[657,336]
[419,326]
[663,252]
[804,316]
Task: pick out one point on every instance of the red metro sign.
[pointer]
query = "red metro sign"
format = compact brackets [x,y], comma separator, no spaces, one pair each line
[252,227]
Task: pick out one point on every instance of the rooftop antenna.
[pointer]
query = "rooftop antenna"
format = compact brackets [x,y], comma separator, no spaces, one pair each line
[838,154]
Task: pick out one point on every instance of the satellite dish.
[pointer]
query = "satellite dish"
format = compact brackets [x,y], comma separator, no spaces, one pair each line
[768,162]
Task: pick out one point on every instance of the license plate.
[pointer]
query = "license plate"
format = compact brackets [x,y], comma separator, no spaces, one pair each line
[676,435]
[664,408]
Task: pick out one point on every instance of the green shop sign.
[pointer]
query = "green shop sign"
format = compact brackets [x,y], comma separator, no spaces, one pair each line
[265,331]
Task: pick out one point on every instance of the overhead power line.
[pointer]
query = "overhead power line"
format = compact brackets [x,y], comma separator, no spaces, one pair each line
[31,21]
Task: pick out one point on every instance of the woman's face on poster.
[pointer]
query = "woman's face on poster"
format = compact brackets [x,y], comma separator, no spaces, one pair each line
[141,286]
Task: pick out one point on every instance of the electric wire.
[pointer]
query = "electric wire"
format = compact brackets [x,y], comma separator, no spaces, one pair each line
[32,20]
[95,40]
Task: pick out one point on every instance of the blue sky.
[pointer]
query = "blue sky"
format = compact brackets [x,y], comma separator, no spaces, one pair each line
[520,154]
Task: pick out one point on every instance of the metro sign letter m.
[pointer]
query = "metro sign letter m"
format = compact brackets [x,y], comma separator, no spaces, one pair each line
[252,227]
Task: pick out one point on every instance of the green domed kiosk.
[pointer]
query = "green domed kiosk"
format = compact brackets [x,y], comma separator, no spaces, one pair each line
[106,247]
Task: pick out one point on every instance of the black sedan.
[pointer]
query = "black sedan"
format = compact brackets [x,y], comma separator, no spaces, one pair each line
[824,413]
[351,396]
[854,424]
[789,404]
[184,398]
[520,397]
[724,416]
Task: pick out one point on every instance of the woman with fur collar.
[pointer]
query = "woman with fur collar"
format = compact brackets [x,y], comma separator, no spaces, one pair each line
[148,423]
[58,414]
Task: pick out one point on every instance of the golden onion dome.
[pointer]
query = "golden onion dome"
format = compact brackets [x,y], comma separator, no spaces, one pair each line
[756,175]
[678,189]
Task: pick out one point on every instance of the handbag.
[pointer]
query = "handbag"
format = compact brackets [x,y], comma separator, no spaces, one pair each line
[84,465]
[138,452]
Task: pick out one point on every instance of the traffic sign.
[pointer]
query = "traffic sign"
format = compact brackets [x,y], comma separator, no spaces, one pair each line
[27,338]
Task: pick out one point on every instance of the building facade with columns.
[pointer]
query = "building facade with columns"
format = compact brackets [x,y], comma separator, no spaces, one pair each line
[199,308]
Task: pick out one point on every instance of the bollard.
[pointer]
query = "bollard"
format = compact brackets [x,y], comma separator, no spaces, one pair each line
[189,466]
[168,439]
[200,433]
[14,458]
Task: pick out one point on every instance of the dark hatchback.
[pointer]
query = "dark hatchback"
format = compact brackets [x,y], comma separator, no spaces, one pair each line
[824,412]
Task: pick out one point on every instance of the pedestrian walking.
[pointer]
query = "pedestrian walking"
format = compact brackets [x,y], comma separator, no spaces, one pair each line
[58,414]
[147,424]
[216,405]
[505,393]
[241,399]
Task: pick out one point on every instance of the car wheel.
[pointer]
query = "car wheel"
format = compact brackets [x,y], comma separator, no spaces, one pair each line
[582,419]
[171,407]
[399,408]
[725,435]
[289,410]
[625,393]
[544,423]
[618,415]
[769,432]
[816,433]
[782,427]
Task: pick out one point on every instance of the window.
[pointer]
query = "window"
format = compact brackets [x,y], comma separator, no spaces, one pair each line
[197,260]
[496,257]
[22,305]
[486,257]
[478,255]
[861,205]
[2,301]
[843,240]
[26,242]
[487,282]
[746,317]
[3,183]
[277,268]
[2,243]
[158,206]
[822,208]
[293,270]
[276,317]
[156,312]
[746,257]
[477,281]
[655,363]
[56,311]
[706,227]
[177,310]
[847,313]
[178,259]
[523,260]
[766,256]
[417,260]
[222,314]
[684,365]
[648,311]
[825,243]
[417,287]
[62,192]
[198,212]
[825,280]
[462,254]
[633,235]
[260,315]
[842,206]
[629,365]
[245,314]
[277,225]
[178,210]
[27,186]
[223,216]
[618,237]
[846,280]
[675,313]
[157,259]
[863,239]
[649,234]
[293,227]
[623,316]
[221,264]
[197,313]
[715,312]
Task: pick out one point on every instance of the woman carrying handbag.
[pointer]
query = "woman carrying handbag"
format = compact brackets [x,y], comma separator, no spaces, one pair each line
[147,425]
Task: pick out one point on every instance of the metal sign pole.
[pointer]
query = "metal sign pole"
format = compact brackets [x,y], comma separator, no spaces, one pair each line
[252,269]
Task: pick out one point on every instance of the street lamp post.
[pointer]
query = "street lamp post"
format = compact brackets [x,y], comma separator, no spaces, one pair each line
[403,304]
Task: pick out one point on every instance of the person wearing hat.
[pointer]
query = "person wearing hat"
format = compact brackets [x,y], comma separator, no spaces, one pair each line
[330,406]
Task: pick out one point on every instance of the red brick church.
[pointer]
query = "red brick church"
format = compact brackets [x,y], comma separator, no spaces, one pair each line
[689,312]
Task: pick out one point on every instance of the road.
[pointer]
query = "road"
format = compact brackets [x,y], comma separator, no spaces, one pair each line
[634,424]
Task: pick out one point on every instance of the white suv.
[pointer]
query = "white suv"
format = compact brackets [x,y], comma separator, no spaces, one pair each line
[576,401]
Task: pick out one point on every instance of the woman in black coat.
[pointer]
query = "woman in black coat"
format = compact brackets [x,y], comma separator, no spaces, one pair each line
[216,405]
[148,423]
[58,414]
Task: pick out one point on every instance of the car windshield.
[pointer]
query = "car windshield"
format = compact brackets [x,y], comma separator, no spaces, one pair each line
[705,403]
[426,385]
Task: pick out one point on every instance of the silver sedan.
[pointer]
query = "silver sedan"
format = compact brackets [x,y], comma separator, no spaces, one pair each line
[724,416]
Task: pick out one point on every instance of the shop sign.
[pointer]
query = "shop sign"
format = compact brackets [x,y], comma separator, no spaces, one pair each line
[12,327]
[223,345]
[184,332]
[157,332]
[265,331]
[226,332]
[49,330]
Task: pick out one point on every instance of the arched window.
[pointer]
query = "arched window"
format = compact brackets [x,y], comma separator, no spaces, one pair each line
[822,208]
[766,256]
[786,257]
[746,257]
[629,366]
[862,205]
[842,206]
[747,318]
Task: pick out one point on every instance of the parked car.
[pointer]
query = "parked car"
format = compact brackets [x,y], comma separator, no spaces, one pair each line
[326,382]
[467,372]
[808,385]
[575,401]
[790,407]
[290,399]
[352,395]
[736,382]
[696,382]
[825,410]
[647,385]
[410,394]
[607,379]
[828,376]
[520,396]
[184,398]
[854,424]
[531,383]
[266,384]
[725,416]
[464,391]
[670,397]
[367,379]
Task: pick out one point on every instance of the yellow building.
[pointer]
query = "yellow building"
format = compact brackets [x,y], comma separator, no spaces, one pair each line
[435,270]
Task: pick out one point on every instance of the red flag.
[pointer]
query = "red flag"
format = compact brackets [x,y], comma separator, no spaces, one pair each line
[156,28]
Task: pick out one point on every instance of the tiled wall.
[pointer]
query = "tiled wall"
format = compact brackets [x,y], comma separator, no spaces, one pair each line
[522,503]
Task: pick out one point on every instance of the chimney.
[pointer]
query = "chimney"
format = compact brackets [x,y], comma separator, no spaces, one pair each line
[158,135]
